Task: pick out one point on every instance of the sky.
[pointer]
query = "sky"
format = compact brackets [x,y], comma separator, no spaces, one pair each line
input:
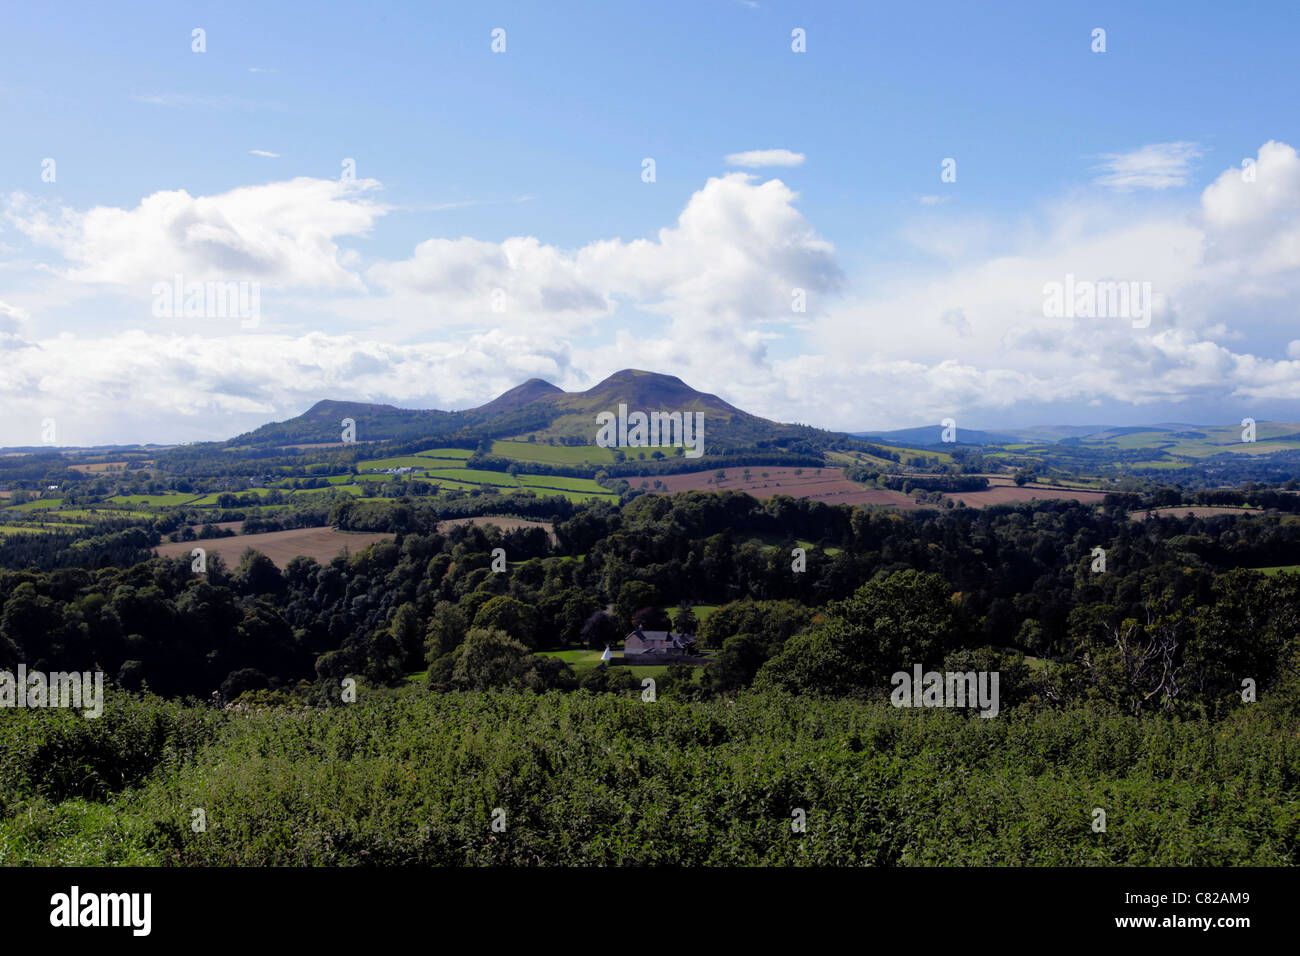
[849,215]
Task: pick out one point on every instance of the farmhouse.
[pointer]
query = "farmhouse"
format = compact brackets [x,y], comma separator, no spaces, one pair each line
[660,643]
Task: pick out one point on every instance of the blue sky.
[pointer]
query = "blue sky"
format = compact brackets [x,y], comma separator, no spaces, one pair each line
[522,171]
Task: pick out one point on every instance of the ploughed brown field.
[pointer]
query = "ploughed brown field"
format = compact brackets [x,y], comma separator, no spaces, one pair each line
[1011,494]
[223,525]
[1205,512]
[505,524]
[280,546]
[98,467]
[821,484]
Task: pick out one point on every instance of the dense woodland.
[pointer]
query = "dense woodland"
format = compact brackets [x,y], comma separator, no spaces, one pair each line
[1173,624]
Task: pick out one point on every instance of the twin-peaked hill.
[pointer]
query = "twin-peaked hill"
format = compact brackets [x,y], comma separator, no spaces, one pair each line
[539,409]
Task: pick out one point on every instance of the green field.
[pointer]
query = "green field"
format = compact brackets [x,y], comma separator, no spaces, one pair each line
[204,501]
[74,514]
[1280,569]
[453,453]
[577,497]
[576,490]
[1161,465]
[562,483]
[38,505]
[553,454]
[450,483]
[162,500]
[350,489]
[402,461]
[475,476]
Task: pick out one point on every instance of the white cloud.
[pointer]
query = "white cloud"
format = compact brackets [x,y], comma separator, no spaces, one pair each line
[1255,223]
[738,249]
[263,152]
[11,316]
[1156,166]
[279,233]
[756,158]
[971,337]
[172,387]
[961,331]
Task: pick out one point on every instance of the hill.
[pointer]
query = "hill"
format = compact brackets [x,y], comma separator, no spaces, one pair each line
[535,410]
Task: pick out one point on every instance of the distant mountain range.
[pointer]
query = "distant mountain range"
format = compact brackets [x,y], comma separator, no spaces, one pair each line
[933,435]
[1177,437]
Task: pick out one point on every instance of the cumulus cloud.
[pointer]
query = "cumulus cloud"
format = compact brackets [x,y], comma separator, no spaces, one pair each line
[11,317]
[961,331]
[170,387]
[1156,166]
[280,234]
[1252,214]
[756,158]
[974,338]
[739,249]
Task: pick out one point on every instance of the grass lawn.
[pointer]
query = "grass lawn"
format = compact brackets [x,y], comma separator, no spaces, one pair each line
[1280,569]
[583,660]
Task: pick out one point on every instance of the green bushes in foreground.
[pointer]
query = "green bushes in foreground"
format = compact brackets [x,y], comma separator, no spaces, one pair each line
[581,779]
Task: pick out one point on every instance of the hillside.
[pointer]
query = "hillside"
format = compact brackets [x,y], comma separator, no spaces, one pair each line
[536,409]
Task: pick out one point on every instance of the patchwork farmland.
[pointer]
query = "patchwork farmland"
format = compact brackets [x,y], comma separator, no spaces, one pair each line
[446,468]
